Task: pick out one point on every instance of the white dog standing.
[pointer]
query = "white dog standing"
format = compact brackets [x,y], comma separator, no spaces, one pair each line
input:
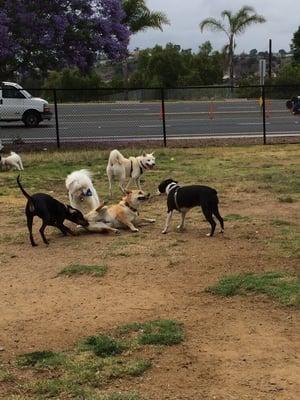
[82,193]
[12,161]
[123,168]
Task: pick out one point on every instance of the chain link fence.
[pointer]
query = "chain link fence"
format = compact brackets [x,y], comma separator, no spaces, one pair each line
[157,114]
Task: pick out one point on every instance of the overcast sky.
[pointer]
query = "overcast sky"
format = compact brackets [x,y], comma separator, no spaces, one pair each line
[283,19]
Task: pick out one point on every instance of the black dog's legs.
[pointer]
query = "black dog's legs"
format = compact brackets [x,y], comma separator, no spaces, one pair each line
[42,229]
[64,229]
[217,214]
[208,215]
[29,225]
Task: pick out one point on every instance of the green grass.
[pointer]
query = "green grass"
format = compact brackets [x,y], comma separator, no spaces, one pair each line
[281,222]
[94,270]
[280,286]
[236,217]
[286,242]
[160,332]
[274,168]
[89,370]
[103,346]
[41,359]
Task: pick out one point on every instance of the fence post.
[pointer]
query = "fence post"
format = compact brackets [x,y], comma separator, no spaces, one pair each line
[263,94]
[56,119]
[163,115]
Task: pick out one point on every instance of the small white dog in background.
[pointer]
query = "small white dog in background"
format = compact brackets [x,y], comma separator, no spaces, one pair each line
[12,161]
[123,168]
[82,194]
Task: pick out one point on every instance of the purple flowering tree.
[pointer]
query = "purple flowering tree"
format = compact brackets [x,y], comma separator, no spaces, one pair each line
[38,35]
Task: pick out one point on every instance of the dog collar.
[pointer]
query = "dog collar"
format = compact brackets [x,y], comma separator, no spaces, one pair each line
[170,187]
[131,168]
[131,208]
[142,167]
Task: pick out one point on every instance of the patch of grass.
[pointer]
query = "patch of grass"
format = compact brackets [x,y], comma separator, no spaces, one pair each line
[6,376]
[287,241]
[236,217]
[103,346]
[280,222]
[53,388]
[41,359]
[121,368]
[283,287]
[286,199]
[94,270]
[159,332]
[13,238]
[115,396]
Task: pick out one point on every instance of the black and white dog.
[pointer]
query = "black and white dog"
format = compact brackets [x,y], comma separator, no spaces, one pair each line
[184,198]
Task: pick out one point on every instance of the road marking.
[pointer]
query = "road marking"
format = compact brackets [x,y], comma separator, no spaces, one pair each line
[251,123]
[153,126]
[130,109]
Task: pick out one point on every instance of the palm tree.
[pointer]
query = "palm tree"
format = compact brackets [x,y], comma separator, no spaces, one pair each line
[139,18]
[236,25]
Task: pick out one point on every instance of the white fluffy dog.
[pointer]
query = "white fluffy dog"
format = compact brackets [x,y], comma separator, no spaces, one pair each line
[82,194]
[123,168]
[12,161]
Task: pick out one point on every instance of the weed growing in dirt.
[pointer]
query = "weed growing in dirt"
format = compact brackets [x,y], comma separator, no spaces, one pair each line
[283,287]
[103,346]
[236,217]
[286,199]
[160,332]
[94,270]
[41,359]
[280,222]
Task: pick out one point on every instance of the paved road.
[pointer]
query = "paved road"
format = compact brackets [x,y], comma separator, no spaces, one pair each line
[129,121]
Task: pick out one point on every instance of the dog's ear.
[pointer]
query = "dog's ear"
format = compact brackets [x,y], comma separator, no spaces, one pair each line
[71,209]
[144,154]
[101,206]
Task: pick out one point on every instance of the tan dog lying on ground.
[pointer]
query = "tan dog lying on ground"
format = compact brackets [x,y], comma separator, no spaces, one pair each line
[118,216]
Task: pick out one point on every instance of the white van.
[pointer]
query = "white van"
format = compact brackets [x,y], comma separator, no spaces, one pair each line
[16,104]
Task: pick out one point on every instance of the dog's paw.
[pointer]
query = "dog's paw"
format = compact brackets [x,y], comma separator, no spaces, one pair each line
[180,228]
[152,220]
[164,231]
[135,230]
[117,232]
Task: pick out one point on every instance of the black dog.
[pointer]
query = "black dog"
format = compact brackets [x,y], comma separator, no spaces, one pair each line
[51,211]
[184,198]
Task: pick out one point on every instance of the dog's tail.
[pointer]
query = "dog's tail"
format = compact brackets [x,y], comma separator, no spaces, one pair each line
[22,189]
[115,157]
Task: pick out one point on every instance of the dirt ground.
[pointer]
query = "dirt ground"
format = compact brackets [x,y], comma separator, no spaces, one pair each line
[235,348]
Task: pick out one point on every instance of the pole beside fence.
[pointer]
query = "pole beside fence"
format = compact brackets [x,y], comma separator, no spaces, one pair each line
[163,115]
[263,94]
[56,119]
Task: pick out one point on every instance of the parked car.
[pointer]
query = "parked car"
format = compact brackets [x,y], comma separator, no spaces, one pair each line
[294,105]
[16,104]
